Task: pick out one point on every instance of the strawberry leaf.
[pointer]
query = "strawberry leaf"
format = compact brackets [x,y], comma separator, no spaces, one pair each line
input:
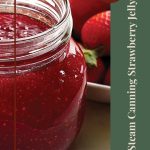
[90,57]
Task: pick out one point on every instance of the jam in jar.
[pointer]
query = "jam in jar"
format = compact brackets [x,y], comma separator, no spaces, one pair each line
[42,76]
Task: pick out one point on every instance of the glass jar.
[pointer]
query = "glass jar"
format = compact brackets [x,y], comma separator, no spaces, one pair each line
[42,76]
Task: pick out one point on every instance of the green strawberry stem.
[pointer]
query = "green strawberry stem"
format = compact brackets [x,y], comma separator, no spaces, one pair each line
[91,56]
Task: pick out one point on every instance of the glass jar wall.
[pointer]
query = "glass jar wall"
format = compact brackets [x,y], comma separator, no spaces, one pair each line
[42,76]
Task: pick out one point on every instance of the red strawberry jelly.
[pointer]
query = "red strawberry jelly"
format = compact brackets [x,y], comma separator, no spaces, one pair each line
[25,26]
[49,97]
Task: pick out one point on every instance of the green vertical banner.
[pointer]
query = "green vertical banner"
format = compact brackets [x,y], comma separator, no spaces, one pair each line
[130,75]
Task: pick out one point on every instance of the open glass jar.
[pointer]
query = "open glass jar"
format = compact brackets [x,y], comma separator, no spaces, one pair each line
[42,76]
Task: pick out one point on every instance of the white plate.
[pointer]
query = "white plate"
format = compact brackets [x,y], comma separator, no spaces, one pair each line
[98,92]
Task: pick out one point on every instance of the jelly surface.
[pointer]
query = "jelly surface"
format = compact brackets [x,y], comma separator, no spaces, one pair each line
[25,26]
[49,100]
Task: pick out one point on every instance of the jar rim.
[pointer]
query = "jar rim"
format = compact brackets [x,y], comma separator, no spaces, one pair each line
[43,47]
[48,31]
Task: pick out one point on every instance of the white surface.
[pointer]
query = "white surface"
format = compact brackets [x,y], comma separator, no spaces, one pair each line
[98,92]
[95,133]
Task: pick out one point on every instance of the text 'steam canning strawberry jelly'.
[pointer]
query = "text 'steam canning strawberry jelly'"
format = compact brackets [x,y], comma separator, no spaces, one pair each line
[42,76]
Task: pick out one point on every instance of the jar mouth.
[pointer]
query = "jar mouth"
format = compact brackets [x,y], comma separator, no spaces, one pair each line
[51,30]
[50,43]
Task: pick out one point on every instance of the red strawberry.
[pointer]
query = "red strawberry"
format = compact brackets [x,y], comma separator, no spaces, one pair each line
[96,32]
[82,10]
[95,66]
[107,77]
[96,73]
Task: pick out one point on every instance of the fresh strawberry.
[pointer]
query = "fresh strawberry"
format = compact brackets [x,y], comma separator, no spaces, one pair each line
[95,66]
[82,10]
[107,77]
[95,73]
[96,32]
